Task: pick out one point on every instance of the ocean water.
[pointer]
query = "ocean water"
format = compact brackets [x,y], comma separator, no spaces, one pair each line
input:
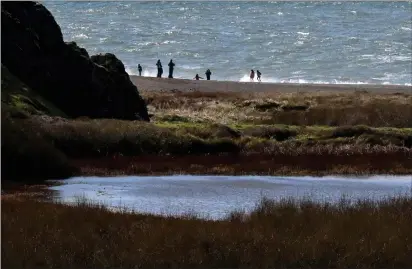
[216,196]
[305,42]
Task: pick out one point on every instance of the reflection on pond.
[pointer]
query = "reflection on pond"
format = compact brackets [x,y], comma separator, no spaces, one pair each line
[216,196]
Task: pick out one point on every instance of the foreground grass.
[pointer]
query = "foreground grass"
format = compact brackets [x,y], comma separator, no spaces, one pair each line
[303,109]
[285,234]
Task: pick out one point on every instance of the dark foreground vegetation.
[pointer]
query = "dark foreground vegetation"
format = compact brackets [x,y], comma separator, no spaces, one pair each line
[288,234]
[26,155]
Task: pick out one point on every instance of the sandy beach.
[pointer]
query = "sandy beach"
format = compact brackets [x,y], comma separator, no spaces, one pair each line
[165,84]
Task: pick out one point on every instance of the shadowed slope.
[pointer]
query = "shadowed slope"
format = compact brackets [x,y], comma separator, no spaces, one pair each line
[34,51]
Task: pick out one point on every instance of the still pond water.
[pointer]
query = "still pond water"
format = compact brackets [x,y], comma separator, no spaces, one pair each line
[216,196]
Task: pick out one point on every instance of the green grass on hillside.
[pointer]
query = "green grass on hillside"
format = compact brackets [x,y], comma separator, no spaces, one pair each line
[18,98]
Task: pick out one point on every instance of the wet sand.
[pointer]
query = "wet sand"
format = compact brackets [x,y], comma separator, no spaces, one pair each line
[165,84]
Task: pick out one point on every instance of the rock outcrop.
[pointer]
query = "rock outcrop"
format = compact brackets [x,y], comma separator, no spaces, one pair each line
[33,50]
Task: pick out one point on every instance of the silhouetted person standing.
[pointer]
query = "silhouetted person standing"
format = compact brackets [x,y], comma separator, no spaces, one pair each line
[252,75]
[139,67]
[197,77]
[208,73]
[171,67]
[258,75]
[159,69]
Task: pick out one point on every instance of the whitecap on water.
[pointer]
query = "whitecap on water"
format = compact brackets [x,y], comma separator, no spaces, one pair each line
[296,79]
[386,58]
[169,42]
[132,50]
[146,73]
[191,67]
[147,43]
[90,10]
[80,36]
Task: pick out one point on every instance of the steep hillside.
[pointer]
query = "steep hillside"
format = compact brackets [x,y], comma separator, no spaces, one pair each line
[33,50]
[17,97]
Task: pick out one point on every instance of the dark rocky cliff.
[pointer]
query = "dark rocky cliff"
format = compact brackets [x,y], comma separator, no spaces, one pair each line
[33,49]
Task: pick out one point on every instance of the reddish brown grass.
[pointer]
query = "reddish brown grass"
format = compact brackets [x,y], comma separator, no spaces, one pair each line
[308,164]
[275,235]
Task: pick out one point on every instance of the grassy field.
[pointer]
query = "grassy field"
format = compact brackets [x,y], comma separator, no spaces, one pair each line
[275,235]
[226,133]
[303,109]
[123,147]
[99,138]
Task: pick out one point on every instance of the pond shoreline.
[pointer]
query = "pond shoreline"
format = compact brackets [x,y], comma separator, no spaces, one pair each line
[397,163]
[287,234]
[214,197]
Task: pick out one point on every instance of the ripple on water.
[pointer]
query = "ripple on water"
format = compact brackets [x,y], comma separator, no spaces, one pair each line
[216,196]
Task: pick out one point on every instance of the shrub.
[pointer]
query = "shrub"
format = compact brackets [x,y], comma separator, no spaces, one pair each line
[351,131]
[280,134]
[27,156]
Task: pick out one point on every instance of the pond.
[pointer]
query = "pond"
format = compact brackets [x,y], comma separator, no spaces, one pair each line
[215,196]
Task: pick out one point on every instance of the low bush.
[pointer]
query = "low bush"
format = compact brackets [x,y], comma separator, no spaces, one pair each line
[26,156]
[269,132]
[351,131]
